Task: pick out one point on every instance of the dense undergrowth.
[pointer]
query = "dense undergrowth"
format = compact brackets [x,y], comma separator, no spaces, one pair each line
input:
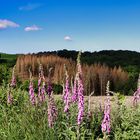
[22,120]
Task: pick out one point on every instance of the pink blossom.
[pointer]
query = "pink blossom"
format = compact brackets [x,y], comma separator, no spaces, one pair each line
[9,99]
[106,120]
[31,93]
[80,101]
[66,96]
[80,91]
[13,80]
[136,96]
[52,111]
[41,85]
[74,91]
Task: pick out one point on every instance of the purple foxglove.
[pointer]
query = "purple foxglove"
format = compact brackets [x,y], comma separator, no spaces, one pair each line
[43,92]
[31,93]
[66,96]
[80,102]
[52,111]
[106,127]
[136,96]
[74,91]
[9,99]
[80,91]
[41,85]
[13,80]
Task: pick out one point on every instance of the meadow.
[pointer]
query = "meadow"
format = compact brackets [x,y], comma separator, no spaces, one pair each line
[42,115]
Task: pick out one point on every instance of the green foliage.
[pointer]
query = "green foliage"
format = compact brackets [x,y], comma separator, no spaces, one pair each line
[21,120]
[128,60]
[8,59]
[57,89]
[4,74]
[127,125]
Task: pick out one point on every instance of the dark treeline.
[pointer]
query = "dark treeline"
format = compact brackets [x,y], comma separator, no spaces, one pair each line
[109,57]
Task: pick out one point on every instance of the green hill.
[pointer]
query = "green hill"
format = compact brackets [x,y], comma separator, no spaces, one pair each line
[8,59]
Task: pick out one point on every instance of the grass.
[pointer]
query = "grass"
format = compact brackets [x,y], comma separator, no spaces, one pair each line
[23,121]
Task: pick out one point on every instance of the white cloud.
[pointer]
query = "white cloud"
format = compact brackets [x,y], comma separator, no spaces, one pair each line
[30,6]
[32,28]
[4,23]
[67,38]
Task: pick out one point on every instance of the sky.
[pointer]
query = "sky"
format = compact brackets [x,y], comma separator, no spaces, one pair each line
[28,26]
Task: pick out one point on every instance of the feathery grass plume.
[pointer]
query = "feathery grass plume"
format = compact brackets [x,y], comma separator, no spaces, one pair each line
[80,91]
[66,96]
[13,80]
[106,127]
[31,90]
[41,84]
[136,96]
[52,111]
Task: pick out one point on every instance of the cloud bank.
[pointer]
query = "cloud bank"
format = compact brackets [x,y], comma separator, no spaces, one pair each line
[32,28]
[4,23]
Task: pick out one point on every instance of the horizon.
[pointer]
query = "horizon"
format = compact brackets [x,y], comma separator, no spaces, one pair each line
[66,50]
[32,26]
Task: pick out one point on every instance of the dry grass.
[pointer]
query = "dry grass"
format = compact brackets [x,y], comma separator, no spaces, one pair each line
[96,101]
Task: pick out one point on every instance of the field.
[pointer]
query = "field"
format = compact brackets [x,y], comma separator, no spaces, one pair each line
[22,120]
[33,115]
[34,109]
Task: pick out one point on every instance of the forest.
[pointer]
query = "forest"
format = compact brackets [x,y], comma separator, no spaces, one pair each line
[121,68]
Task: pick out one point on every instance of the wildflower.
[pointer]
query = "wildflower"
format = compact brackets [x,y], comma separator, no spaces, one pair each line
[9,98]
[10,86]
[66,96]
[74,90]
[43,92]
[31,90]
[13,80]
[136,96]
[80,91]
[106,120]
[80,102]
[52,111]
[41,85]
[31,93]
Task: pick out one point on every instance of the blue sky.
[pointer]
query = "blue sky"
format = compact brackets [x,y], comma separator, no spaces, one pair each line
[88,25]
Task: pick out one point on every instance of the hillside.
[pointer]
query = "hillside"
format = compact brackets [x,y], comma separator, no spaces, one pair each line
[8,59]
[123,58]
[110,57]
